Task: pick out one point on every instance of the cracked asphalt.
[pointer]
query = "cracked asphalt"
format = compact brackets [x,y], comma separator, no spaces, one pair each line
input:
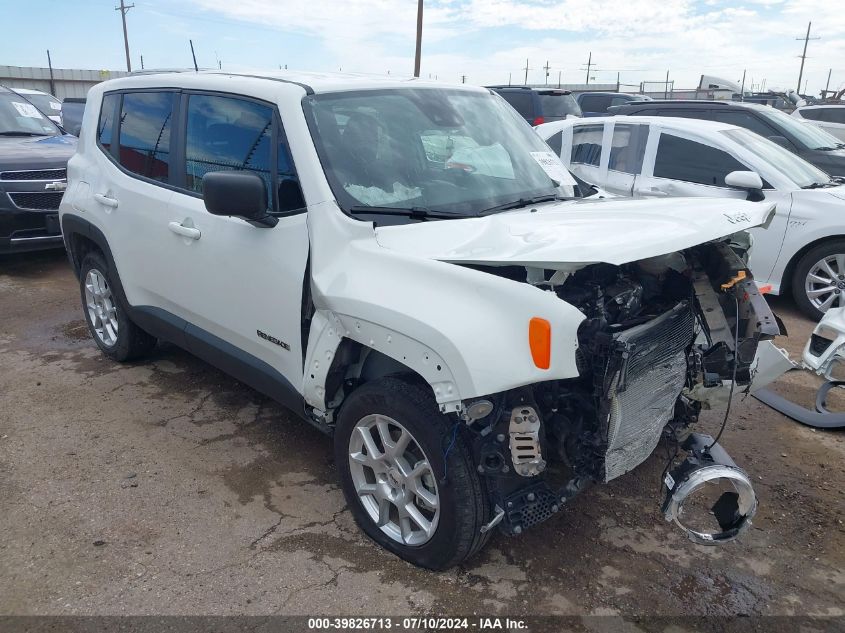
[166,487]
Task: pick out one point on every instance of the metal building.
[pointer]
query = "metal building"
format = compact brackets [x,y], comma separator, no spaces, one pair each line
[61,82]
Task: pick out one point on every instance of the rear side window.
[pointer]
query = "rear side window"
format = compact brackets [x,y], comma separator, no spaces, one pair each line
[520,100]
[586,144]
[105,126]
[831,115]
[595,103]
[145,122]
[812,114]
[681,159]
[228,134]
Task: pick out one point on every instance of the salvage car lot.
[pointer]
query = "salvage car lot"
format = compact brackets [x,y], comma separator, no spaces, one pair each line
[167,487]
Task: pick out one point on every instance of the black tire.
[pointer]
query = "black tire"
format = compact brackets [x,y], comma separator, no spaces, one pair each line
[802,269]
[463,500]
[131,341]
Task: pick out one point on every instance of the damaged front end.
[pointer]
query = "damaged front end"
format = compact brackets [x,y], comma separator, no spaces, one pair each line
[662,339]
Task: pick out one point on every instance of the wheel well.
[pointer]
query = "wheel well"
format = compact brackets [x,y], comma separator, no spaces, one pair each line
[355,364]
[80,246]
[786,280]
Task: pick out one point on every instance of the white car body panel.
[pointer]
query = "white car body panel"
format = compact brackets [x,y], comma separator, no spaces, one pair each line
[439,319]
[803,216]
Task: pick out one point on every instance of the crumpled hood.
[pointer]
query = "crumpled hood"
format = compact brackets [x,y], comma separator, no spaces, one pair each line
[613,231]
[35,152]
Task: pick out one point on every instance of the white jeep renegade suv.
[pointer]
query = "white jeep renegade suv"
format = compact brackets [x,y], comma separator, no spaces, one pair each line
[409,267]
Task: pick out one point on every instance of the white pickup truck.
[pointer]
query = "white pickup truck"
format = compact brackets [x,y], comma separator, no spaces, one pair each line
[407,266]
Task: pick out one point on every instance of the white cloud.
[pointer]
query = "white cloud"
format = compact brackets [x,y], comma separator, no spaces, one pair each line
[640,38]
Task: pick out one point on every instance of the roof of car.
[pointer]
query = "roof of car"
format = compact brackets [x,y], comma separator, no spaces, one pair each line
[311,82]
[695,125]
[30,91]
[688,103]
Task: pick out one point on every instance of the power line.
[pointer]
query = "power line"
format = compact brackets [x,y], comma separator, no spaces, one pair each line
[124,9]
[803,55]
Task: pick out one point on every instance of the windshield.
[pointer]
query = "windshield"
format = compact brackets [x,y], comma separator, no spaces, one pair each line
[808,136]
[454,152]
[558,105]
[48,104]
[18,117]
[788,164]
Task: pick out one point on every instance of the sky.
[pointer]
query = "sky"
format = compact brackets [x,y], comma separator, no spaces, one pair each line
[487,41]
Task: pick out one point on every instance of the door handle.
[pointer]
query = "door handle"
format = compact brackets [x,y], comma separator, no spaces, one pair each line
[185,231]
[105,200]
[657,193]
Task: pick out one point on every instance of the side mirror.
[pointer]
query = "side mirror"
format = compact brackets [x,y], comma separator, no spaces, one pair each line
[242,194]
[782,141]
[748,180]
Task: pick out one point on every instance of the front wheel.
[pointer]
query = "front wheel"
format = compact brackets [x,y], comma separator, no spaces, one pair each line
[818,283]
[408,476]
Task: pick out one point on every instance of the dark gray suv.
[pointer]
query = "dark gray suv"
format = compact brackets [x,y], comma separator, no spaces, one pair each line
[33,175]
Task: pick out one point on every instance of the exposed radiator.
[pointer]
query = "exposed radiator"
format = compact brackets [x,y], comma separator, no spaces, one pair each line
[650,373]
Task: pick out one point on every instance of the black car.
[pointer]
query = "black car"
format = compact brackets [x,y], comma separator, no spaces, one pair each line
[810,143]
[597,103]
[33,175]
[539,105]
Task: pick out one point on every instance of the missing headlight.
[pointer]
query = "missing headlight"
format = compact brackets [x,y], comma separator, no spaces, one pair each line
[709,496]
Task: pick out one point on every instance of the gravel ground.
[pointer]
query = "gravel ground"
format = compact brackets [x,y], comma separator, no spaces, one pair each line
[166,487]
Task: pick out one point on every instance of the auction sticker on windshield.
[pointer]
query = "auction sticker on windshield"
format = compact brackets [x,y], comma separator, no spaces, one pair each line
[553,167]
[27,110]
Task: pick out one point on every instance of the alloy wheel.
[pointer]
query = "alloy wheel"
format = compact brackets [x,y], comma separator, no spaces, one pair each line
[394,480]
[825,283]
[102,311]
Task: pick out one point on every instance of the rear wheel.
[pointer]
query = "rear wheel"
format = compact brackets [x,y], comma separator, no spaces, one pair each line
[408,476]
[105,312]
[818,283]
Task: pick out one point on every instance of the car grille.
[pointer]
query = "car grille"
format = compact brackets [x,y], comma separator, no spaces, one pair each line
[645,387]
[37,200]
[34,174]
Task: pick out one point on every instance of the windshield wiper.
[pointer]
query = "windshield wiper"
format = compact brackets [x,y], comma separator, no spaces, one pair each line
[818,185]
[522,202]
[16,133]
[415,213]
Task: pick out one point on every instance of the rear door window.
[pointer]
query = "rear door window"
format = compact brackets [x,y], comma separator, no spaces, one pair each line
[145,122]
[682,159]
[833,115]
[627,148]
[744,119]
[812,114]
[586,144]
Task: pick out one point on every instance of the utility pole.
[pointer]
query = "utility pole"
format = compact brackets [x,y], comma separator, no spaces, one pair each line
[547,71]
[418,55]
[806,39]
[510,76]
[142,62]
[53,85]
[742,90]
[589,65]
[526,71]
[827,85]
[559,75]
[124,9]
[463,79]
[666,86]
[617,81]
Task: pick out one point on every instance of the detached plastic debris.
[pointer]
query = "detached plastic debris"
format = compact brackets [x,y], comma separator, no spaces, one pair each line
[824,352]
